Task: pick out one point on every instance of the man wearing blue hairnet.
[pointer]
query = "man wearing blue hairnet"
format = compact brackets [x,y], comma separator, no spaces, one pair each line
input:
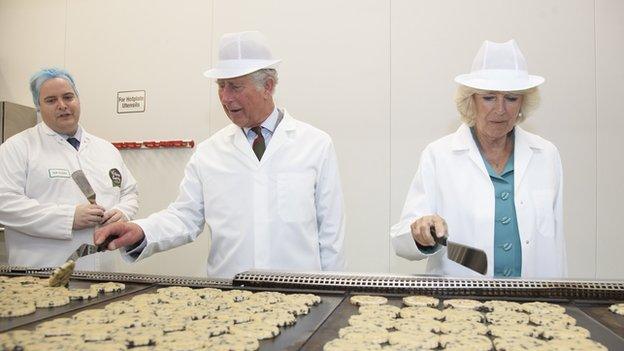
[45,214]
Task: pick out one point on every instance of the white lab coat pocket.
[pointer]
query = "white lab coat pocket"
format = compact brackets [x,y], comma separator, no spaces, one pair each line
[543,202]
[295,196]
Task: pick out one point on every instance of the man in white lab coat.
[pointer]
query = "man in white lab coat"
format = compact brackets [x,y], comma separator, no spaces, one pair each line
[45,214]
[267,185]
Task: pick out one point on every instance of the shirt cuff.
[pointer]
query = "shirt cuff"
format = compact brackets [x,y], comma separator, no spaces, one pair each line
[427,250]
[135,250]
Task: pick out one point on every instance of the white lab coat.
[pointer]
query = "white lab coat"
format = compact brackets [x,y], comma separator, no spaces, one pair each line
[38,197]
[283,212]
[452,181]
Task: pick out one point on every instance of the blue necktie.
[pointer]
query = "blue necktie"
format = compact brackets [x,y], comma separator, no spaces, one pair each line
[74,142]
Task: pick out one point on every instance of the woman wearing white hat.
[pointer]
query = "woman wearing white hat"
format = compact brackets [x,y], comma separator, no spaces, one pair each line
[490,185]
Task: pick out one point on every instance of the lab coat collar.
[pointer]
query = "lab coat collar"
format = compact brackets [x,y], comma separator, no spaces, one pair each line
[85,137]
[270,123]
[78,135]
[284,131]
[47,130]
[525,145]
[464,142]
[462,139]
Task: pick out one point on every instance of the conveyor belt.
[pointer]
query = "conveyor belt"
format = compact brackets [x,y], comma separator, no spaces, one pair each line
[517,288]
[586,301]
[123,277]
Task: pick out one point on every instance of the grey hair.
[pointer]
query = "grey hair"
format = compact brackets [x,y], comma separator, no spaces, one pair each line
[468,111]
[260,78]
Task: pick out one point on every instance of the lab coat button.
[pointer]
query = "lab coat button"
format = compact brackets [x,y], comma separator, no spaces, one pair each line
[526,242]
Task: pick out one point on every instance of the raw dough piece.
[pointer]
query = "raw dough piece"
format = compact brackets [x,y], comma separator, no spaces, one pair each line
[421,301]
[229,342]
[364,320]
[82,294]
[463,303]
[369,334]
[617,308]
[462,314]
[465,342]
[259,330]
[517,343]
[415,325]
[380,310]
[108,287]
[426,313]
[507,318]
[361,300]
[499,305]
[542,308]
[61,275]
[16,309]
[350,345]
[423,340]
[463,327]
[552,320]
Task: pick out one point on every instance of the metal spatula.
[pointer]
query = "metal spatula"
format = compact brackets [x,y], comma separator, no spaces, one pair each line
[84,185]
[467,256]
[88,249]
[61,275]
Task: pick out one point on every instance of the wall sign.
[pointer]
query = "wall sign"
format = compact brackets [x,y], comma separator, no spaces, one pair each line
[131,101]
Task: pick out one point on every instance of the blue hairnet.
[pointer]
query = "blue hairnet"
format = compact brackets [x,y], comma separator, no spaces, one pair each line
[43,75]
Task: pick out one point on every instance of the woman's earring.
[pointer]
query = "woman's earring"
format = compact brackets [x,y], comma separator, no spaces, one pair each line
[520,115]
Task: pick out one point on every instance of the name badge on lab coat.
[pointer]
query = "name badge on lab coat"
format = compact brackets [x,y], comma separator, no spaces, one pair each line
[59,173]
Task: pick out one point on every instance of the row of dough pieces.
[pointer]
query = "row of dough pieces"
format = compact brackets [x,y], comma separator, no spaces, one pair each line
[22,295]
[488,306]
[617,308]
[419,326]
[173,318]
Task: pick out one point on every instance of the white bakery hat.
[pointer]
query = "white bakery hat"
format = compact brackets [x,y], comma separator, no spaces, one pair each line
[499,67]
[240,54]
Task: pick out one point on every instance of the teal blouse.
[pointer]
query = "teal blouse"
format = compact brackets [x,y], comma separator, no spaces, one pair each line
[507,247]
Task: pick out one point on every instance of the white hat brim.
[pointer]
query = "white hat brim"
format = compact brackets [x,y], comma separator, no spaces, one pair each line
[506,84]
[238,68]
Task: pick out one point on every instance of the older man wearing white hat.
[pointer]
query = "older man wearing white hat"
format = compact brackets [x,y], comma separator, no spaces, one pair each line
[267,185]
[490,185]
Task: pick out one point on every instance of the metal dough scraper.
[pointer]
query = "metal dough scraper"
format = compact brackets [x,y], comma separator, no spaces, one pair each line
[468,256]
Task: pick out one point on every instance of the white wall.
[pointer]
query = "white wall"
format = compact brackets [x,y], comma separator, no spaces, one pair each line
[376,74]
[609,124]
[154,46]
[29,42]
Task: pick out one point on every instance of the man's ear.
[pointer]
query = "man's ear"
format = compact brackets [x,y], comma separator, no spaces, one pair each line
[269,86]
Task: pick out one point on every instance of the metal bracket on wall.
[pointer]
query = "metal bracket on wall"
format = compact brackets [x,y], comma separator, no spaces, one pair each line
[154,144]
